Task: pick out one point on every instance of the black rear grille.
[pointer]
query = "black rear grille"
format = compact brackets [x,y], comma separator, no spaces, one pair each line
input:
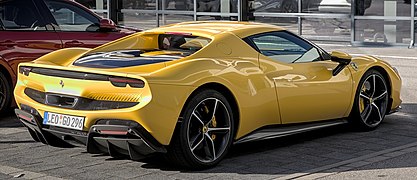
[74,102]
[61,100]
[37,96]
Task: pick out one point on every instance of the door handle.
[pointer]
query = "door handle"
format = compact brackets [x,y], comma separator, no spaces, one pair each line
[8,43]
[74,43]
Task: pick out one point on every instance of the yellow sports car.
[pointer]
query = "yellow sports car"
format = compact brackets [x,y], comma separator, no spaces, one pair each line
[191,90]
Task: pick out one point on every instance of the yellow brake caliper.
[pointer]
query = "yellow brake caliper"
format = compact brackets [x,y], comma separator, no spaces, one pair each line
[213,122]
[361,101]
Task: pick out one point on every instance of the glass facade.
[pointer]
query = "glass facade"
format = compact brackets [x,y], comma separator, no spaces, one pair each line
[385,22]
[98,6]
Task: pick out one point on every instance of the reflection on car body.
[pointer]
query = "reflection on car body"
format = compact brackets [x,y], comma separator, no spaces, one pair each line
[191,90]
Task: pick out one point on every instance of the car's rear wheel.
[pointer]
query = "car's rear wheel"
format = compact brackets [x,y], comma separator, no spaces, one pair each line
[206,132]
[5,93]
[371,101]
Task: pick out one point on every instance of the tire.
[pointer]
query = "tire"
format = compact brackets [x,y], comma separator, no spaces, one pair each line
[5,94]
[202,139]
[371,101]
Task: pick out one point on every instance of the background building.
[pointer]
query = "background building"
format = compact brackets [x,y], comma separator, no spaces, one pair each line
[360,22]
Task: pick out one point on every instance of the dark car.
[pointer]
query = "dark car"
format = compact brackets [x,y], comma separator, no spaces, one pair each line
[32,28]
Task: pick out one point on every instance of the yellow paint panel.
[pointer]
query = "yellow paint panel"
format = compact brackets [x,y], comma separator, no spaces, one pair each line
[265,92]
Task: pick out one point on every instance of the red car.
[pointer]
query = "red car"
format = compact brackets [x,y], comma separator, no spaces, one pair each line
[32,28]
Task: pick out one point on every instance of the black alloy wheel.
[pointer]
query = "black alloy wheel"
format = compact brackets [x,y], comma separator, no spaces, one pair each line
[206,132]
[371,101]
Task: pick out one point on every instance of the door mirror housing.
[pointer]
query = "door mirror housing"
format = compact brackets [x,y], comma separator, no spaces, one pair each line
[107,25]
[342,58]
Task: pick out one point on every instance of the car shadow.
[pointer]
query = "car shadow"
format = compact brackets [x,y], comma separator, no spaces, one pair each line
[297,153]
[17,142]
[302,152]
[242,150]
[8,119]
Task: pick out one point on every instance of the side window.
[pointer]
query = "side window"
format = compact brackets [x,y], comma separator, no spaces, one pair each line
[285,47]
[72,18]
[20,15]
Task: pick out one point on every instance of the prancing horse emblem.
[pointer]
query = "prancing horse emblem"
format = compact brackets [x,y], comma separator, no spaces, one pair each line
[61,83]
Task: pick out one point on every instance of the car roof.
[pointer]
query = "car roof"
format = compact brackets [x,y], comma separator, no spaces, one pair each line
[213,28]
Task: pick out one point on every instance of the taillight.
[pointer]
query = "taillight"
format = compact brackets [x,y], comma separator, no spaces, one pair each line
[24,70]
[122,82]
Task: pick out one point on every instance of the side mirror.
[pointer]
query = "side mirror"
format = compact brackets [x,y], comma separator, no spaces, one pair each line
[342,58]
[107,24]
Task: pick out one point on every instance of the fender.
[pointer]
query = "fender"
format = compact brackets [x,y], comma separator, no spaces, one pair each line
[363,64]
[252,94]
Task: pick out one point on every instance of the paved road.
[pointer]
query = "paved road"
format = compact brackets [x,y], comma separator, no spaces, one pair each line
[333,153]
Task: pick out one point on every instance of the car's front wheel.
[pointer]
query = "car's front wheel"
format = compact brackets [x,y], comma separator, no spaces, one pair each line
[206,132]
[371,101]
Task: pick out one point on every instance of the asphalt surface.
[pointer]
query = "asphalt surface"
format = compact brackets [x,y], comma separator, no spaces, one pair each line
[389,152]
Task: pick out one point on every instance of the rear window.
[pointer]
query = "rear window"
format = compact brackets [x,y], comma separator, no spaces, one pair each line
[175,42]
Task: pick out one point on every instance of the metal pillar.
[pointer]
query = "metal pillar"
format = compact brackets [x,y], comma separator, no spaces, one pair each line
[413,36]
[352,23]
[300,20]
[112,6]
[195,10]
[157,13]
[244,10]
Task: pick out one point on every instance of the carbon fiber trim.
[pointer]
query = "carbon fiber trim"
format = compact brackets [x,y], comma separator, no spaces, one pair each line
[131,141]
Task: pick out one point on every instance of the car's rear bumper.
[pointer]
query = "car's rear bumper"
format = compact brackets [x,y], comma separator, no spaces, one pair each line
[116,140]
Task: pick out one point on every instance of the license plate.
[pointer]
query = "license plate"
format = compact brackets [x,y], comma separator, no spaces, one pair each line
[62,120]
